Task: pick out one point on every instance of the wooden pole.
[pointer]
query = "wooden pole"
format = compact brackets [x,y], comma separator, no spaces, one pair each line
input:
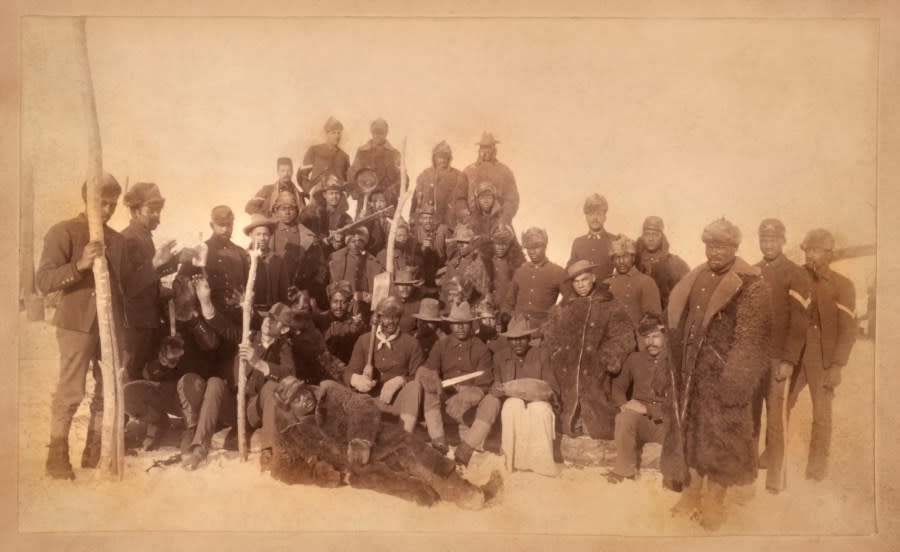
[28,299]
[247,307]
[112,371]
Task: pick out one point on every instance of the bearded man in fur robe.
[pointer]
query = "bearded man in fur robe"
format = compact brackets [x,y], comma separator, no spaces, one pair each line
[720,317]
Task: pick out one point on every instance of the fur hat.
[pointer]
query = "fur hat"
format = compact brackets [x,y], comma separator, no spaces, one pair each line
[534,237]
[720,231]
[462,234]
[332,183]
[485,187]
[389,306]
[622,245]
[503,234]
[649,323]
[653,223]
[820,238]
[221,215]
[595,202]
[143,193]
[578,268]
[340,286]
[772,228]
[443,148]
[379,124]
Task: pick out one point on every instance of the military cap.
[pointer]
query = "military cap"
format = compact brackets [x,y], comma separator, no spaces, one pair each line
[622,245]
[257,220]
[595,202]
[389,306]
[462,234]
[379,124]
[578,268]
[720,231]
[485,187]
[534,236]
[109,186]
[280,312]
[143,193]
[340,286]
[284,161]
[771,227]
[487,139]
[443,148]
[222,215]
[288,389]
[653,223]
[333,124]
[333,183]
[503,234]
[819,238]
[650,323]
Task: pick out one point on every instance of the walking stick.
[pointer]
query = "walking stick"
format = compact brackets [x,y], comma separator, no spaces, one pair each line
[247,308]
[112,449]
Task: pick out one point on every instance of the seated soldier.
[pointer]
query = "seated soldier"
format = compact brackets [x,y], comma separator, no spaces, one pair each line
[459,354]
[312,359]
[433,239]
[486,327]
[388,373]
[330,436]
[343,323]
[428,325]
[408,291]
[527,418]
[269,358]
[640,418]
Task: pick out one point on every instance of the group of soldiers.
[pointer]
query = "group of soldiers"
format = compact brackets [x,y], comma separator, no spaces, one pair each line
[625,343]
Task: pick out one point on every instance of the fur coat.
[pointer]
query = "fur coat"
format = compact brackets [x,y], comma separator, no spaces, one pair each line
[717,377]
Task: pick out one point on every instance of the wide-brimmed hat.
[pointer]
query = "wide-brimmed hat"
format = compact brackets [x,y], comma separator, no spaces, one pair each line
[257,220]
[407,276]
[429,310]
[487,139]
[578,268]
[460,313]
[518,327]
[281,312]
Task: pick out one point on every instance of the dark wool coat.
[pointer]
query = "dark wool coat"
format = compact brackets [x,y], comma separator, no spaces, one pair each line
[665,268]
[143,307]
[721,373]
[587,340]
[322,159]
[447,189]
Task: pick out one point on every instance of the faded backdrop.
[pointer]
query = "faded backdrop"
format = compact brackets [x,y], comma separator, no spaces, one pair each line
[686,119]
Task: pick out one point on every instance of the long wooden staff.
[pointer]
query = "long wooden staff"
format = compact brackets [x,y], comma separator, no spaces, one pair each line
[112,447]
[247,308]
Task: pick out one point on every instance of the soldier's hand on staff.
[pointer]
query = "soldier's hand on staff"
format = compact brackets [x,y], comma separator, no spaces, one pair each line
[200,254]
[361,383]
[248,353]
[390,388]
[91,251]
[785,369]
[369,371]
[163,253]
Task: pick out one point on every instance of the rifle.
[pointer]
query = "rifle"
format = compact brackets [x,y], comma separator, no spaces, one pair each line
[247,308]
[360,221]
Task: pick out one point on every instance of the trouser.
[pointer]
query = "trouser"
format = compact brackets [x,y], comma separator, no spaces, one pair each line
[405,405]
[812,373]
[76,351]
[528,434]
[632,431]
[197,400]
[486,411]
[774,394]
[261,413]
[140,348]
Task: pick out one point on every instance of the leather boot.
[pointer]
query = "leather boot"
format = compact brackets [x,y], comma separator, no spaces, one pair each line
[58,466]
[712,510]
[689,503]
[90,457]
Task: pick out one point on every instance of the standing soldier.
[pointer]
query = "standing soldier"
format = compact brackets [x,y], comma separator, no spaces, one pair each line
[355,265]
[633,289]
[432,236]
[265,200]
[829,339]
[488,168]
[443,187]
[587,337]
[486,213]
[379,155]
[146,265]
[594,246]
[272,281]
[65,266]
[719,316]
[536,284]
[789,288]
[327,210]
[506,256]
[654,260]
[324,159]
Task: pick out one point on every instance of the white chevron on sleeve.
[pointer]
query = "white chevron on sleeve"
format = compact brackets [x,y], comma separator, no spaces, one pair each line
[845,309]
[796,295]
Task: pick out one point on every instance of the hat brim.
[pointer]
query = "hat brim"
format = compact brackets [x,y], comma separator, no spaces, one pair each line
[526,333]
[415,283]
[582,271]
[427,318]
[250,227]
[458,320]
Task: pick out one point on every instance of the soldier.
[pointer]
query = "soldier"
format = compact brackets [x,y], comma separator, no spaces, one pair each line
[324,159]
[272,281]
[536,284]
[433,239]
[408,291]
[640,418]
[594,246]
[442,186]
[302,251]
[633,289]
[588,336]
[455,355]
[829,340]
[428,325]
[379,155]
[65,266]
[507,256]
[327,211]
[720,321]
[341,326]
[380,227]
[391,376]
[312,359]
[789,287]
[485,217]
[654,259]
[407,252]
[466,262]
[147,264]
[264,201]
[354,264]
[488,168]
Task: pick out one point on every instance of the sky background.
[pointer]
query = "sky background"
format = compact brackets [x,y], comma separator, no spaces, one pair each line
[686,119]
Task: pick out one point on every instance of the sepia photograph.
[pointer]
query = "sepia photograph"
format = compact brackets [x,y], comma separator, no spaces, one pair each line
[361,275]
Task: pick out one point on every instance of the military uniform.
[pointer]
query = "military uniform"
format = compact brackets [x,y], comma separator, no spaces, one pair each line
[665,268]
[504,182]
[593,247]
[446,189]
[359,270]
[384,159]
[261,403]
[320,160]
[534,289]
[340,334]
[263,202]
[637,292]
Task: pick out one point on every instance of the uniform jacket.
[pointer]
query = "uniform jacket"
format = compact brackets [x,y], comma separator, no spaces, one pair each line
[534,289]
[324,159]
[340,335]
[447,189]
[451,357]
[637,292]
[789,290]
[833,305]
[648,378]
[227,267]
[385,161]
[409,255]
[359,271]
[63,245]
[503,180]
[200,344]
[403,358]
[509,366]
[271,282]
[587,340]
[279,355]
[595,250]
[664,267]
[141,283]
[721,367]
[269,194]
